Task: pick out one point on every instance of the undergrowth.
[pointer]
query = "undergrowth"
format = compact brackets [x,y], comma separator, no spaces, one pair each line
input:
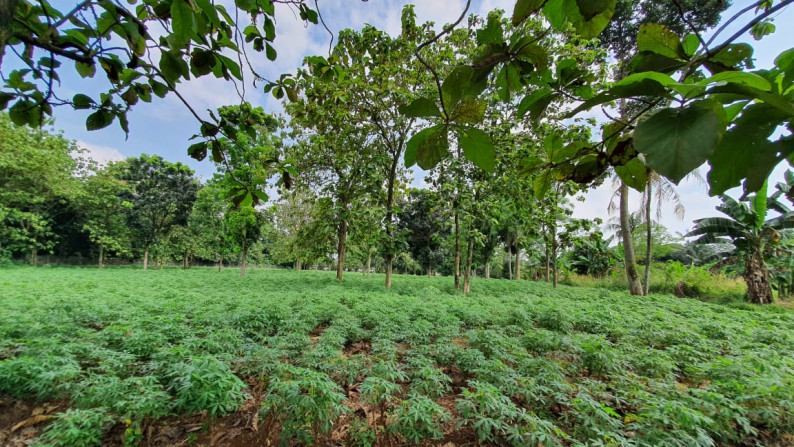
[514,363]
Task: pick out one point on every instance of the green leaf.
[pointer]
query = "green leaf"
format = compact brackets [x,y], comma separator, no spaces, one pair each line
[158,88]
[420,108]
[508,82]
[432,149]
[690,44]
[523,9]
[85,70]
[99,120]
[477,147]
[82,101]
[555,12]
[183,22]
[413,144]
[677,141]
[535,103]
[731,57]
[270,52]
[469,111]
[25,112]
[634,174]
[455,85]
[649,61]
[739,77]
[173,66]
[659,39]
[198,151]
[5,98]
[759,203]
[492,33]
[589,17]
[635,85]
[542,183]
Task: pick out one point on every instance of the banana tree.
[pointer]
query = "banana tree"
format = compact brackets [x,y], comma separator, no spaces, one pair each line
[752,235]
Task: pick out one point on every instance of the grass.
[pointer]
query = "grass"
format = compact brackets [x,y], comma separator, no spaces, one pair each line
[514,363]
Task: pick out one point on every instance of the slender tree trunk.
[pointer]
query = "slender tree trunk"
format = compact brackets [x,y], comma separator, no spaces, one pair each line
[467,269]
[457,251]
[340,249]
[298,265]
[487,270]
[146,257]
[389,210]
[509,263]
[548,262]
[369,262]
[242,264]
[554,274]
[101,256]
[388,271]
[646,286]
[220,263]
[34,256]
[630,263]
[518,263]
[756,275]
[185,261]
[429,271]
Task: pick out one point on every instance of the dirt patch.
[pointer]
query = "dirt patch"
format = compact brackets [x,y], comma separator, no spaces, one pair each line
[358,347]
[22,421]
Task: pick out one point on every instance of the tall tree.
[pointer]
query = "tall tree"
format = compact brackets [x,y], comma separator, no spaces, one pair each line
[36,184]
[161,194]
[103,212]
[424,222]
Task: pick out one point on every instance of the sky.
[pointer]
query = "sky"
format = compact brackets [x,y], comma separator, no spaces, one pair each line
[164,126]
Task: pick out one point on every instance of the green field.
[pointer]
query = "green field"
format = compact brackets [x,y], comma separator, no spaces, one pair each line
[194,357]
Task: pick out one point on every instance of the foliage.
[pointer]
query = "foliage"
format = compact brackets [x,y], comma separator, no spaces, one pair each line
[525,363]
[77,428]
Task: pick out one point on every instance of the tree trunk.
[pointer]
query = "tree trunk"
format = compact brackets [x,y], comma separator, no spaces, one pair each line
[457,251]
[185,261]
[518,263]
[34,256]
[509,263]
[7,8]
[298,266]
[388,270]
[629,262]
[487,270]
[101,256]
[242,264]
[646,286]
[220,263]
[340,249]
[467,269]
[429,271]
[548,262]
[146,257]
[759,289]
[369,262]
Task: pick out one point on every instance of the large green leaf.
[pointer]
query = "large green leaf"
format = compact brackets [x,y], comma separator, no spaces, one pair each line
[523,9]
[542,183]
[477,147]
[677,141]
[759,203]
[659,39]
[739,77]
[183,22]
[635,85]
[634,174]
[469,111]
[589,17]
[413,144]
[460,84]
[420,108]
[535,103]
[492,33]
[433,148]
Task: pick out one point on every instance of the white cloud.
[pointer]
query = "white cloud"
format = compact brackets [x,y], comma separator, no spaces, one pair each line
[101,154]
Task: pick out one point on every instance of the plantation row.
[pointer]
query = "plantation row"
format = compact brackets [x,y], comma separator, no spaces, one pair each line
[513,363]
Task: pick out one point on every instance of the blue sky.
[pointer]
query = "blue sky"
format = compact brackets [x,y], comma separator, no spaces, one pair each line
[164,126]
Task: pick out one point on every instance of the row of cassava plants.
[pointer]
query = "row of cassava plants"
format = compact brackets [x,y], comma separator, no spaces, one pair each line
[514,363]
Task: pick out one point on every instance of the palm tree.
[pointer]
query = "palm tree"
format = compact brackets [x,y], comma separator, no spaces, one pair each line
[752,235]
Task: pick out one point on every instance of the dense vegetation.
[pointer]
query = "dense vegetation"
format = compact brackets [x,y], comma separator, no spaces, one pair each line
[513,363]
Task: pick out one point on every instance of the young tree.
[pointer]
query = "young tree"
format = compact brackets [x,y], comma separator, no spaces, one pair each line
[161,195]
[103,212]
[752,233]
[424,222]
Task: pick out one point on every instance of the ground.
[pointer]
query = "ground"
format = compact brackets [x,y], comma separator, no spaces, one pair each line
[196,357]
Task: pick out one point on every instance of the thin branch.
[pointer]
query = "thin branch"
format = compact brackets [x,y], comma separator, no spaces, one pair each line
[433,40]
[320,15]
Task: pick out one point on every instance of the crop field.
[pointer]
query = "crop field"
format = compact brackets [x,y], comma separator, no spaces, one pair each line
[196,357]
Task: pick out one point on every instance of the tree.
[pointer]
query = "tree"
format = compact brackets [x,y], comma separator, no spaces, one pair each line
[36,184]
[103,212]
[207,219]
[424,223]
[752,234]
[244,226]
[161,194]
